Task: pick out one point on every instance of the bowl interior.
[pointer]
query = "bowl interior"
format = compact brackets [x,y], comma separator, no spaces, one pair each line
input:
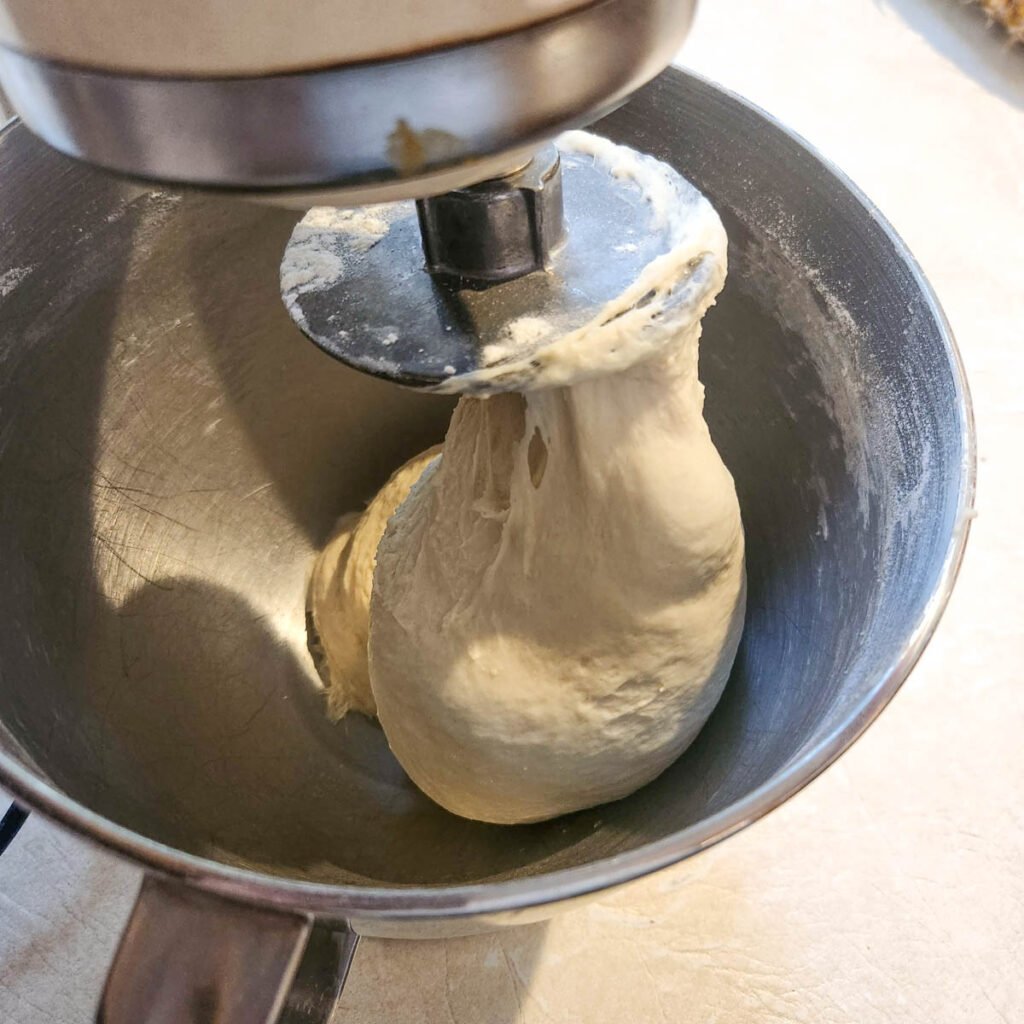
[173,453]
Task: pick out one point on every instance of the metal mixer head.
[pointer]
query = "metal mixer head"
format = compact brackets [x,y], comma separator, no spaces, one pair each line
[321,99]
[481,279]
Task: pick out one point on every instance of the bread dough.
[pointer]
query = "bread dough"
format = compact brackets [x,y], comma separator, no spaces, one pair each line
[339,592]
[557,603]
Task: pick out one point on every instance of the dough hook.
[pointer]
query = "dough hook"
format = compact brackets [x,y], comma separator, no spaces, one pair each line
[427,293]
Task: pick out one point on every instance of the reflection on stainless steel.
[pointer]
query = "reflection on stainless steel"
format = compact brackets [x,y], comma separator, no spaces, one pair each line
[172,453]
[187,955]
[396,124]
[236,962]
[320,976]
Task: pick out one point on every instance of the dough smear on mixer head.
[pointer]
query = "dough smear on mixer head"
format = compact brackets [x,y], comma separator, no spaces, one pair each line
[557,599]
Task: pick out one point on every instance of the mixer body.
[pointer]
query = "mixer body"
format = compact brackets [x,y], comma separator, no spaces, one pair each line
[353,100]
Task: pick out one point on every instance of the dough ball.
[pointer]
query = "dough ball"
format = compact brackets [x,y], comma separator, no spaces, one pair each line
[339,592]
[557,603]
[547,639]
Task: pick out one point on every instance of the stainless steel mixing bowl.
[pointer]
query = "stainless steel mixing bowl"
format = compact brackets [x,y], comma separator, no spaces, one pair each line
[173,452]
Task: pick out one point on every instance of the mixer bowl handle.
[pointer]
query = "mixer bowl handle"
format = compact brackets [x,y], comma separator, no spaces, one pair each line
[186,955]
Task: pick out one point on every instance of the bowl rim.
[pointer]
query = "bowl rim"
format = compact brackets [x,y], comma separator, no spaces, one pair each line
[471,899]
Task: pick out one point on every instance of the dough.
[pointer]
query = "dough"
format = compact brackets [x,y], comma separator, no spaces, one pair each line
[339,593]
[557,603]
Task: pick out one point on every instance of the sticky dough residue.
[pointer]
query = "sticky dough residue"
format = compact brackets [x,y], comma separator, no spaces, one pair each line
[10,279]
[672,288]
[314,257]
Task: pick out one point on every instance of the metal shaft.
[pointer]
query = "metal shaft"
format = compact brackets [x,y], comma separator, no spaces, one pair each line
[499,229]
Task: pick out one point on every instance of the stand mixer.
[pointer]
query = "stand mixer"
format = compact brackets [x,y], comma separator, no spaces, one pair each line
[353,103]
[159,423]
